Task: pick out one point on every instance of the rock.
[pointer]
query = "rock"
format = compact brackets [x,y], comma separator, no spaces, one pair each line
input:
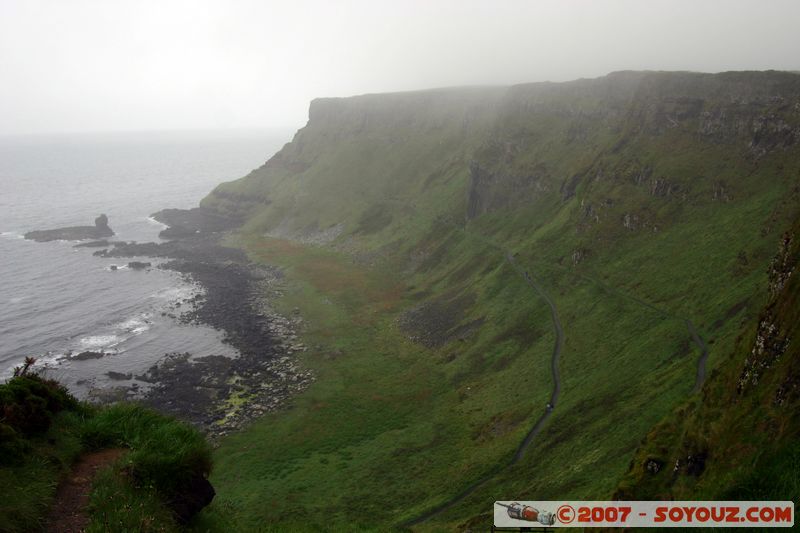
[177,232]
[83,356]
[654,465]
[74,233]
[138,265]
[189,222]
[93,244]
[118,376]
[113,267]
[696,464]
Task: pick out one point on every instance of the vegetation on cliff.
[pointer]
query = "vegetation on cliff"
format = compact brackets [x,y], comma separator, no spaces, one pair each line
[647,205]
[739,439]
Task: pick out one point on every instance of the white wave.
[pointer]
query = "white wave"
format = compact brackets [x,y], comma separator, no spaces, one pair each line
[136,325]
[12,235]
[181,292]
[156,222]
[16,300]
[99,341]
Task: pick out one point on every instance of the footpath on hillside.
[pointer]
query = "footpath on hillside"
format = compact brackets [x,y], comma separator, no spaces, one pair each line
[539,424]
[68,513]
[558,344]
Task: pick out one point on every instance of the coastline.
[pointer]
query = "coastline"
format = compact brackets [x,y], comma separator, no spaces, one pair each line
[216,393]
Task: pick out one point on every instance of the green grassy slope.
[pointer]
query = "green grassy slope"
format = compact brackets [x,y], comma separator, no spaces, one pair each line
[639,201]
[739,440]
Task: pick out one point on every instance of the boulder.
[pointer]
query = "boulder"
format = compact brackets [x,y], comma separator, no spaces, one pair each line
[191,497]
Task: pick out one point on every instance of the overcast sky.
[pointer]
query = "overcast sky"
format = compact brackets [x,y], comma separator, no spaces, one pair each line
[83,65]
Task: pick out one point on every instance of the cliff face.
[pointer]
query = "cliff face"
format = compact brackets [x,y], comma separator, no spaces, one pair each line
[359,152]
[472,151]
[647,204]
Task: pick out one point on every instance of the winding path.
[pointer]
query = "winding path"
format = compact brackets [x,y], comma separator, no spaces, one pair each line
[700,375]
[557,346]
[701,362]
[537,426]
[69,511]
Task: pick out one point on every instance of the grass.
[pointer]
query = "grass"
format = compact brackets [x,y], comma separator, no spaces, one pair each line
[383,411]
[45,430]
[28,482]
[117,505]
[164,453]
[748,436]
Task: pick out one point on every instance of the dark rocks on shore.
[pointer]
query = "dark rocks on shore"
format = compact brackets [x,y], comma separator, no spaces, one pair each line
[93,244]
[189,222]
[83,356]
[208,391]
[138,265]
[177,232]
[196,250]
[118,376]
[74,233]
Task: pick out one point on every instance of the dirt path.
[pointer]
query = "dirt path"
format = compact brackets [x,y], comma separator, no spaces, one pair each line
[537,426]
[68,513]
[558,345]
[701,362]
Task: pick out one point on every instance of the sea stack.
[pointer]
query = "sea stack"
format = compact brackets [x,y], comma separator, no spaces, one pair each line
[100,230]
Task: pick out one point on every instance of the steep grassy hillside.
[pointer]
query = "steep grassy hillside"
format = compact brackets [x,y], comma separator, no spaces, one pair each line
[739,440]
[647,207]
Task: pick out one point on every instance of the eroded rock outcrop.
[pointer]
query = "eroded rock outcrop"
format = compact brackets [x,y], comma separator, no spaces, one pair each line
[100,230]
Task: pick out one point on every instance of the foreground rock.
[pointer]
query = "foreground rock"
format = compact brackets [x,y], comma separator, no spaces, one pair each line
[74,233]
[191,497]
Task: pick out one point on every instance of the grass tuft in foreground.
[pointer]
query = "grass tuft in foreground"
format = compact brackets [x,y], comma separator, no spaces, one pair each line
[43,431]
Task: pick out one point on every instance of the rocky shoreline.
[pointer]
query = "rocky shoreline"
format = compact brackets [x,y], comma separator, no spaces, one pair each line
[216,393]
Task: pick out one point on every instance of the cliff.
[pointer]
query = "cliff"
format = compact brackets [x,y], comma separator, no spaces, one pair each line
[647,206]
[477,150]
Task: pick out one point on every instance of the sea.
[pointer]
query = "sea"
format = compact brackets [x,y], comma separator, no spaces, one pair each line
[56,300]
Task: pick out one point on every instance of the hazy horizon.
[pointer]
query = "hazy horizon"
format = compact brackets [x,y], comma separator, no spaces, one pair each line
[94,67]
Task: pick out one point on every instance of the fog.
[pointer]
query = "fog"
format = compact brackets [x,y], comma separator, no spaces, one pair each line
[137,65]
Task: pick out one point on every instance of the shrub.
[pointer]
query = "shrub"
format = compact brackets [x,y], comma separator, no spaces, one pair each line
[28,404]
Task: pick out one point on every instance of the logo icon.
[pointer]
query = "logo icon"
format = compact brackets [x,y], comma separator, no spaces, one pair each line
[565,514]
[527,513]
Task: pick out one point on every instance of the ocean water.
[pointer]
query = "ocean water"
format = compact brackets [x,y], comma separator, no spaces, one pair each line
[57,300]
